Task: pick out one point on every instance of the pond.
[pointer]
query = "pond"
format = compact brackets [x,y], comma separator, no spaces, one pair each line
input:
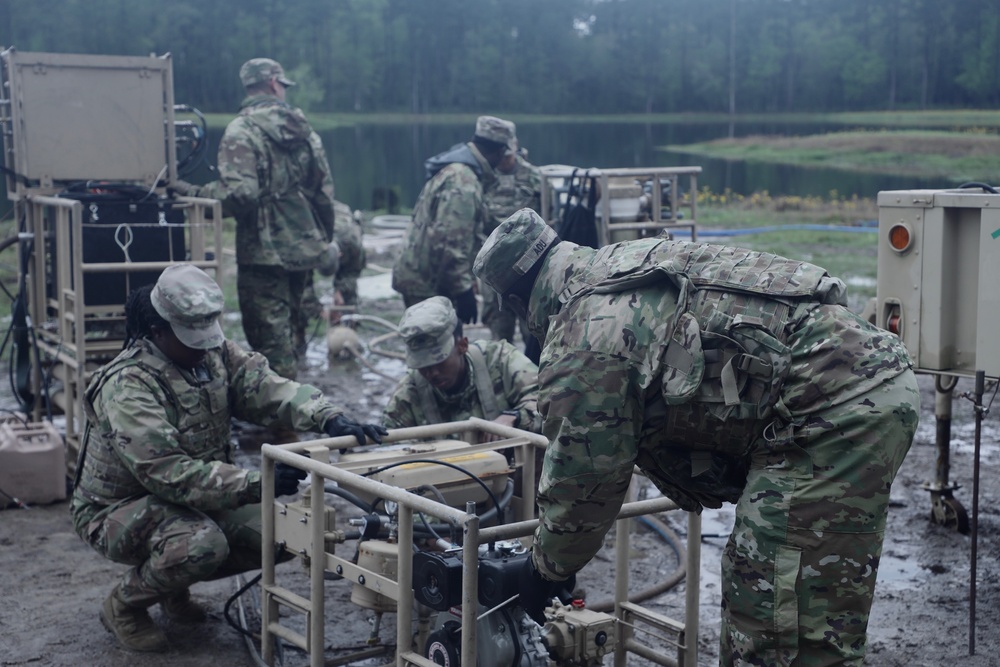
[367,157]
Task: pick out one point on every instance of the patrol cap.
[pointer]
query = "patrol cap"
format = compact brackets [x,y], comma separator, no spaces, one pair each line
[259,70]
[496,129]
[512,249]
[428,329]
[187,298]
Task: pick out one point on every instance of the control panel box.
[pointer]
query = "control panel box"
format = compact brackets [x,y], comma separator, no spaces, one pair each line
[939,277]
[74,117]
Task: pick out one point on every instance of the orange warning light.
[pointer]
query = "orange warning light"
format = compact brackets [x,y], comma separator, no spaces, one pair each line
[900,237]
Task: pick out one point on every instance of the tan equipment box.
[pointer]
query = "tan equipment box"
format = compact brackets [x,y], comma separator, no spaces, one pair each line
[939,277]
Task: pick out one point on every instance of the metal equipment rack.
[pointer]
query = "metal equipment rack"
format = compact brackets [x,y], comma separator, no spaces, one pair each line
[90,124]
[659,220]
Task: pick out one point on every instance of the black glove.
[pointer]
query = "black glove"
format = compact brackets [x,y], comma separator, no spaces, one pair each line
[537,591]
[466,307]
[341,425]
[286,479]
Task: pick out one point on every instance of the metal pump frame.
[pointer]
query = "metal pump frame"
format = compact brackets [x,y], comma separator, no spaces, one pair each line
[301,534]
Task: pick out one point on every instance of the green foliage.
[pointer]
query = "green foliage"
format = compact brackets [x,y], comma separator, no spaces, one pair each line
[551,57]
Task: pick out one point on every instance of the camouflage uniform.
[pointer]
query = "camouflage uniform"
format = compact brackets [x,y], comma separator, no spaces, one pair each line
[725,375]
[347,234]
[353,259]
[512,382]
[157,487]
[275,180]
[520,189]
[498,379]
[449,221]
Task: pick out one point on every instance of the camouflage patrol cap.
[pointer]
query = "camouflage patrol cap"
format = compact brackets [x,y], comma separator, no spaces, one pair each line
[187,298]
[259,70]
[428,329]
[512,249]
[496,129]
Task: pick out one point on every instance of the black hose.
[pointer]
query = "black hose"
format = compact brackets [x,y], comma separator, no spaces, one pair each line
[349,497]
[659,527]
[976,184]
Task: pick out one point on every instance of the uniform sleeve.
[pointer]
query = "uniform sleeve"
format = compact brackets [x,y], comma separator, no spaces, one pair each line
[260,396]
[401,411]
[238,187]
[519,378]
[456,226]
[145,438]
[592,420]
[320,189]
[534,184]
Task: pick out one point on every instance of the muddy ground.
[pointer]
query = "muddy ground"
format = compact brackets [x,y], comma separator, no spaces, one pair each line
[52,584]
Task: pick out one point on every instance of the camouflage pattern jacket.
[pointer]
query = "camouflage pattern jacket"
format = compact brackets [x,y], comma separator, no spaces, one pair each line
[512,192]
[154,428]
[679,358]
[275,180]
[447,228]
[512,382]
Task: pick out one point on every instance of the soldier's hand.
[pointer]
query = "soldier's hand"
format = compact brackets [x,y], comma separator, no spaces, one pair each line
[466,307]
[286,479]
[182,188]
[342,425]
[536,592]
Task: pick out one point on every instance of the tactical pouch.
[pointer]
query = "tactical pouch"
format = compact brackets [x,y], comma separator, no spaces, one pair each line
[721,380]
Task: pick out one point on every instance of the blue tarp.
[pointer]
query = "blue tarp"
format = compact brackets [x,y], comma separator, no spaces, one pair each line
[867,226]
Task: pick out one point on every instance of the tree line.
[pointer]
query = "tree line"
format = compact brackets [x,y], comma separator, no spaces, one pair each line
[549,56]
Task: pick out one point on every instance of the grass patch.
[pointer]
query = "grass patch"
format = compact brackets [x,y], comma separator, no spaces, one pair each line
[851,256]
[969,156]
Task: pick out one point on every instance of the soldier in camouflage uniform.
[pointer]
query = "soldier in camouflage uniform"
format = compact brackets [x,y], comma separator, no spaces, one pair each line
[345,270]
[518,185]
[275,180]
[451,379]
[727,376]
[449,220]
[156,485]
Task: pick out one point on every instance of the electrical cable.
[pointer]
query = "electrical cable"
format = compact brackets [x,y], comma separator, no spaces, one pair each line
[17,501]
[441,499]
[196,157]
[232,599]
[976,184]
[16,415]
[467,473]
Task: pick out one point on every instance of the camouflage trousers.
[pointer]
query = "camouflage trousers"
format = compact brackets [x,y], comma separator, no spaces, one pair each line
[171,547]
[799,570]
[270,303]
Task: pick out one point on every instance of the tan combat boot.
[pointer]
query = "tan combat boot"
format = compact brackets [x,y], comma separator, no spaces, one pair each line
[180,607]
[132,625]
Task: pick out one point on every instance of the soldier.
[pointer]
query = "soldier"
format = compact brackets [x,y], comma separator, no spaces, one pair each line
[156,485]
[449,220]
[275,180]
[450,379]
[518,185]
[350,262]
[727,376]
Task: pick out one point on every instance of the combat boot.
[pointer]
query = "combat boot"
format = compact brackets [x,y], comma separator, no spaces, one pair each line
[132,625]
[180,607]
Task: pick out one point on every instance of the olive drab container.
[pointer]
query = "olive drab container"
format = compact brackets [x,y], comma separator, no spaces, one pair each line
[938,284]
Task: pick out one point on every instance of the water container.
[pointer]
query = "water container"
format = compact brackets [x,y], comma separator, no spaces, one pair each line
[32,463]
